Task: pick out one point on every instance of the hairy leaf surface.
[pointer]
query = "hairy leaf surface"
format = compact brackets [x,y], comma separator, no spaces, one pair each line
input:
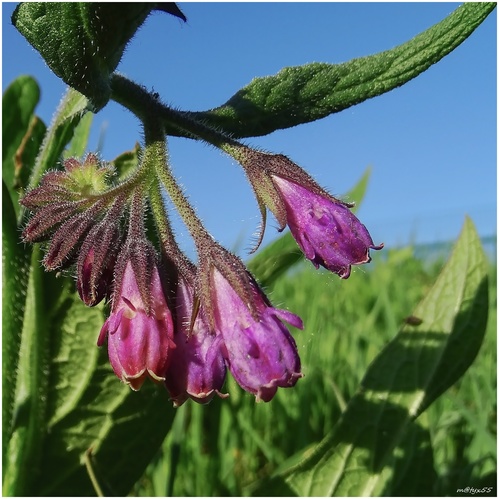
[301,94]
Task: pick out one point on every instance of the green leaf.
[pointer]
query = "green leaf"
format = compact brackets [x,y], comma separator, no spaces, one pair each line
[410,471]
[127,162]
[90,410]
[18,106]
[306,93]
[27,152]
[73,353]
[412,467]
[23,132]
[77,413]
[116,430]
[275,259]
[83,42]
[24,445]
[78,145]
[25,311]
[358,191]
[15,272]
[419,364]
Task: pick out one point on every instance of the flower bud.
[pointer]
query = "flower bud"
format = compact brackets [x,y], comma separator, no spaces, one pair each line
[67,239]
[261,353]
[197,369]
[139,341]
[328,233]
[92,286]
[259,350]
[46,220]
[97,258]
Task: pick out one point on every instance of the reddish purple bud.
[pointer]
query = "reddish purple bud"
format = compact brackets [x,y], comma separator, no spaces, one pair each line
[260,351]
[46,220]
[139,343]
[67,239]
[93,285]
[197,369]
[46,193]
[328,233]
[325,229]
[97,258]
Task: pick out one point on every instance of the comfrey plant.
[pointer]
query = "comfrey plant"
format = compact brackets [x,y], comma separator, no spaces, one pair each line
[90,218]
[170,328]
[94,221]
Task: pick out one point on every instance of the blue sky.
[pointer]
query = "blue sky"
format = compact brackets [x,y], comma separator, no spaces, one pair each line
[431,144]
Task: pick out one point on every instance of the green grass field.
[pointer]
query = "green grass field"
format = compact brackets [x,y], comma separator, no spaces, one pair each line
[226,447]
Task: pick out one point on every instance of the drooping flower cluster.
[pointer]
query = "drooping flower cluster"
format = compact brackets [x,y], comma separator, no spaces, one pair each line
[179,324]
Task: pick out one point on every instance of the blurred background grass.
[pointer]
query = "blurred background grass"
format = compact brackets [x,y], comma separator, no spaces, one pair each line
[228,446]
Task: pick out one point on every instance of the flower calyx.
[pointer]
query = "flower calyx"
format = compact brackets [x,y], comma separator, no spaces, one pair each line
[213,256]
[80,180]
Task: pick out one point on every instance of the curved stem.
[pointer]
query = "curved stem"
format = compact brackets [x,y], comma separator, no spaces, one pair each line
[143,104]
[136,220]
[123,189]
[161,217]
[148,108]
[156,149]
[167,239]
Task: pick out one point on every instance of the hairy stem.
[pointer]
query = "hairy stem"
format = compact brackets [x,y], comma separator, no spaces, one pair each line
[144,104]
[156,148]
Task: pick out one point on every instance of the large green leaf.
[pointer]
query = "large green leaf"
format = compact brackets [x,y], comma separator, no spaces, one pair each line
[82,42]
[28,416]
[71,409]
[420,363]
[81,134]
[412,470]
[15,272]
[306,93]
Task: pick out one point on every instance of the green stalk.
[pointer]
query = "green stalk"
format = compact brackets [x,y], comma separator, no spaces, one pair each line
[158,159]
[144,105]
[162,221]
